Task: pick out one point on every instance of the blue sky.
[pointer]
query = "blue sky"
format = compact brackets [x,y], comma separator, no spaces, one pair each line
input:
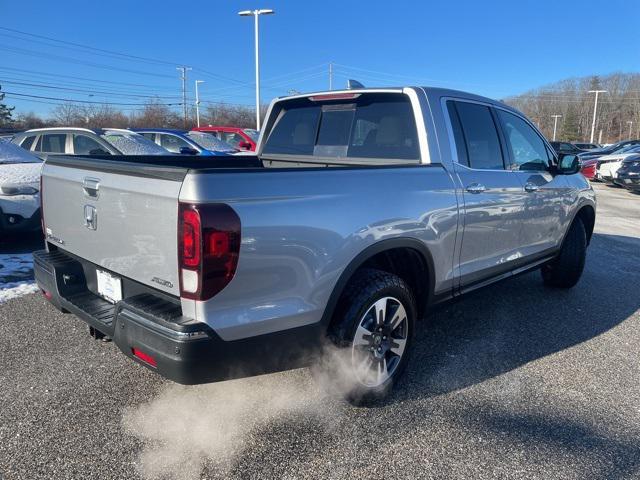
[495,48]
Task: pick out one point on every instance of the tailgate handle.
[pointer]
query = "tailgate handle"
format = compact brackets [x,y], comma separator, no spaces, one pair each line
[91,187]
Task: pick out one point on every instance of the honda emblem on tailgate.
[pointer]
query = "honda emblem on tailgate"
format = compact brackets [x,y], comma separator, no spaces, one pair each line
[90,217]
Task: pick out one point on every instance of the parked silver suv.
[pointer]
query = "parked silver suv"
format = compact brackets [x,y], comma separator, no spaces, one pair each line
[361,210]
[83,141]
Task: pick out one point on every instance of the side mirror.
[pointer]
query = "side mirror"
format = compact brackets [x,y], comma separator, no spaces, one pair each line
[244,146]
[569,164]
[188,151]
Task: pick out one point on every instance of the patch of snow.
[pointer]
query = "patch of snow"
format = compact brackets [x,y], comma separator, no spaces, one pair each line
[16,275]
[15,290]
[20,173]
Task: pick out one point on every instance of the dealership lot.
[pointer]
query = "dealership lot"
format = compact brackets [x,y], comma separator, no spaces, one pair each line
[516,381]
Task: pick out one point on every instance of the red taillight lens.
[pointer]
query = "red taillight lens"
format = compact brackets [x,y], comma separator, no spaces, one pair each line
[190,238]
[145,357]
[209,247]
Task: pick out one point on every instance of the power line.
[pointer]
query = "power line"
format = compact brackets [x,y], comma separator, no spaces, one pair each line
[70,100]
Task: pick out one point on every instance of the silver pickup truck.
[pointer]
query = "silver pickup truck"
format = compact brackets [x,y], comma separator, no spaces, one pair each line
[360,210]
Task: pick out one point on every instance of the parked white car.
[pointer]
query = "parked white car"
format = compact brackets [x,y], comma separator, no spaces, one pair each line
[608,165]
[19,189]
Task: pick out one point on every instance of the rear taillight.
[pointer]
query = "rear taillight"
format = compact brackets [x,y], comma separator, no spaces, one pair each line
[208,248]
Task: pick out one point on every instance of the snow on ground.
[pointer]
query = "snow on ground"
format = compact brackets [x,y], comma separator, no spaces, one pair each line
[16,275]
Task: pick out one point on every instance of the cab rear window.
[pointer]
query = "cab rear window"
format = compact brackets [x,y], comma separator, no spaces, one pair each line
[368,126]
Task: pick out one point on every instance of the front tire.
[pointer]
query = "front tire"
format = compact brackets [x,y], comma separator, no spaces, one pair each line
[566,269]
[371,336]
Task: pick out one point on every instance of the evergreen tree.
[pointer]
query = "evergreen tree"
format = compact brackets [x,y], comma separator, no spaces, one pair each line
[5,112]
[570,126]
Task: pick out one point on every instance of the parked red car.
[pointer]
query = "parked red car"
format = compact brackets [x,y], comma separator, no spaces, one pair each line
[589,168]
[240,138]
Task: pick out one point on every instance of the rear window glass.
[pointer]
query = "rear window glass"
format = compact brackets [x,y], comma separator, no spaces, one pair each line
[374,126]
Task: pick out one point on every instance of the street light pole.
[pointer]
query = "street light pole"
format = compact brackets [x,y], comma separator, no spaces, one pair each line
[630,122]
[256,14]
[595,109]
[555,125]
[198,102]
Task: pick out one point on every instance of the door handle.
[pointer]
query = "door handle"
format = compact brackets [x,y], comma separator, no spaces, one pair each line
[476,188]
[91,187]
[530,187]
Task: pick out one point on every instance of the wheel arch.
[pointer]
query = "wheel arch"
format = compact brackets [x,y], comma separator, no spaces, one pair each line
[587,214]
[392,253]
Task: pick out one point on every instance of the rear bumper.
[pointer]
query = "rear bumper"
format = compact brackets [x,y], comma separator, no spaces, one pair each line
[14,223]
[181,349]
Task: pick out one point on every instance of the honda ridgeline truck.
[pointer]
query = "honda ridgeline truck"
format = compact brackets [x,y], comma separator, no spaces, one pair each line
[360,210]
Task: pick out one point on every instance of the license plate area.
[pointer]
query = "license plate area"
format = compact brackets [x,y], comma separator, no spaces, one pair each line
[109,286]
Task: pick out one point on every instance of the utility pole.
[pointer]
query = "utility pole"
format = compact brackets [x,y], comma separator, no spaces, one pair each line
[595,109]
[198,102]
[183,77]
[555,125]
[630,122]
[330,76]
[256,14]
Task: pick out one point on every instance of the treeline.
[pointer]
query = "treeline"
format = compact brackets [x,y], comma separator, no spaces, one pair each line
[152,115]
[618,115]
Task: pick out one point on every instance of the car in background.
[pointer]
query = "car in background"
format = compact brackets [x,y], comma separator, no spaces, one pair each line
[84,141]
[629,173]
[608,165]
[19,189]
[587,146]
[615,148]
[565,148]
[589,168]
[187,142]
[240,138]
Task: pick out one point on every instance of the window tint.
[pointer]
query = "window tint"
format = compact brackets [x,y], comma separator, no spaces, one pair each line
[391,130]
[84,145]
[27,142]
[528,151]
[481,136]
[173,143]
[52,143]
[377,126]
[458,136]
[295,132]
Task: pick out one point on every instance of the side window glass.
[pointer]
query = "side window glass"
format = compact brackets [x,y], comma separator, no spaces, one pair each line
[458,136]
[481,137]
[150,136]
[232,138]
[84,145]
[53,143]
[528,151]
[172,143]
[27,142]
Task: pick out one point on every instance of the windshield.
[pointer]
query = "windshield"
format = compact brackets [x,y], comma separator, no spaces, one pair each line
[11,153]
[626,148]
[210,142]
[253,134]
[133,144]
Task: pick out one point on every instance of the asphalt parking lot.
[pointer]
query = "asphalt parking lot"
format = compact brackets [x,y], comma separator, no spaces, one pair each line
[517,381]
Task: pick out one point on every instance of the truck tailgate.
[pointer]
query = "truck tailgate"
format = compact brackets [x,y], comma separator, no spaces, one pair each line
[122,218]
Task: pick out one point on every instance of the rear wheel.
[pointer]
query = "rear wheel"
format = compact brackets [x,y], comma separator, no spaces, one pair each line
[566,269]
[373,334]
